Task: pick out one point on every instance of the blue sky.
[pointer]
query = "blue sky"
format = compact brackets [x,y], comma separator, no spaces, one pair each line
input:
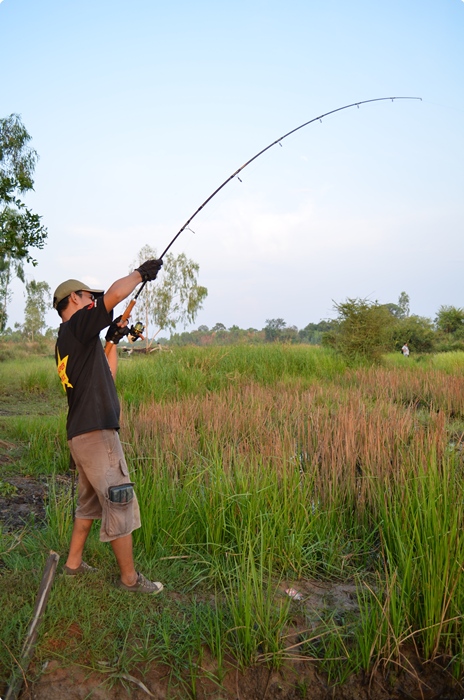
[140,110]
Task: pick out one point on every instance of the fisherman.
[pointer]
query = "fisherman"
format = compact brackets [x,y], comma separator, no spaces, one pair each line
[105,491]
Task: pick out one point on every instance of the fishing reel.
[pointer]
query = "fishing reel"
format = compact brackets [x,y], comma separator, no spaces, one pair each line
[136,332]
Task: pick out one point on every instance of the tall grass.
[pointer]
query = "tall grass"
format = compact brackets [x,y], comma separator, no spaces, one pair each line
[34,375]
[197,371]
[424,553]
[332,477]
[261,467]
[42,440]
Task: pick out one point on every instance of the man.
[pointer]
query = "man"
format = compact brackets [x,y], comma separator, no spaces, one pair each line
[405,350]
[105,491]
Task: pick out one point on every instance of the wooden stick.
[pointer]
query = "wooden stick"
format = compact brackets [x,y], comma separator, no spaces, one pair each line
[31,637]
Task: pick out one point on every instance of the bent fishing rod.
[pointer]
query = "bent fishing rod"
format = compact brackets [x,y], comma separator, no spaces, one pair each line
[128,311]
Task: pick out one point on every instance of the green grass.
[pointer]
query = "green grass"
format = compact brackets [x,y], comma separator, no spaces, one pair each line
[195,371]
[256,468]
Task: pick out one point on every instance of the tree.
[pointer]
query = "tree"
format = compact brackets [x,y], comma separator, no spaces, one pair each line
[20,229]
[5,294]
[449,324]
[363,330]
[175,297]
[403,305]
[450,320]
[313,332]
[416,331]
[399,310]
[38,297]
[273,329]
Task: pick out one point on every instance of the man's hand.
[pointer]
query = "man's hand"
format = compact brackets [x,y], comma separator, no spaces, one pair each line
[149,269]
[116,332]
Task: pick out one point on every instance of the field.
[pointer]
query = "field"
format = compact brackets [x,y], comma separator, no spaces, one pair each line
[262,472]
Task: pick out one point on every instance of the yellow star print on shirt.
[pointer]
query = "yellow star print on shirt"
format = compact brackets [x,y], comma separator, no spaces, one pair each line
[62,364]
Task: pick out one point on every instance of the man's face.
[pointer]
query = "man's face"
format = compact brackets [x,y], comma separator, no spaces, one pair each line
[77,301]
[86,298]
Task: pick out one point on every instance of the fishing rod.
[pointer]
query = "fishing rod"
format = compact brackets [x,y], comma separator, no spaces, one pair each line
[127,312]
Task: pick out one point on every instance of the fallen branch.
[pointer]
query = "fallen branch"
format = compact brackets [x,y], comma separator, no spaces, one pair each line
[31,637]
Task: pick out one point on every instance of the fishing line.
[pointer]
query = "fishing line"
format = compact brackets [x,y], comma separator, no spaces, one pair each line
[239,170]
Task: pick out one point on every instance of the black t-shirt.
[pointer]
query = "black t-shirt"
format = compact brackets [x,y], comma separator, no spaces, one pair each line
[84,371]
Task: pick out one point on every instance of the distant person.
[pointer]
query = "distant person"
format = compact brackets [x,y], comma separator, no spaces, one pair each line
[405,350]
[105,491]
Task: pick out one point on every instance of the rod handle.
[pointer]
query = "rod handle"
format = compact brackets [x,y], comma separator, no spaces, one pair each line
[124,317]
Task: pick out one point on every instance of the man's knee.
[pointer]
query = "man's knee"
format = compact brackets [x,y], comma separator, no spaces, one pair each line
[82,524]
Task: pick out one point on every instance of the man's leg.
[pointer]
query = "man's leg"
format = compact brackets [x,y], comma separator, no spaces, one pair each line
[79,536]
[122,548]
[130,579]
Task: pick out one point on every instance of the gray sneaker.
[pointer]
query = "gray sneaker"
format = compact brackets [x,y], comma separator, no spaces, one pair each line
[83,568]
[142,585]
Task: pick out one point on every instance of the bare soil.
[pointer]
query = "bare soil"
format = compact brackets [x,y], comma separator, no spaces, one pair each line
[24,505]
[297,678]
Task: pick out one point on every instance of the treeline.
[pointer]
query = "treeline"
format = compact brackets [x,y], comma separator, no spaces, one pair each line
[361,330]
[275,331]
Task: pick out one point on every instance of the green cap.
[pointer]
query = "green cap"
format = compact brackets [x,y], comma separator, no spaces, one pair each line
[66,288]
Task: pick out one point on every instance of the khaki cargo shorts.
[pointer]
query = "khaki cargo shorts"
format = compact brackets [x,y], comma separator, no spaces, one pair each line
[100,463]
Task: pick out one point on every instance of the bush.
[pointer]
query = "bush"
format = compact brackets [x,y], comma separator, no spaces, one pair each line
[363,331]
[417,332]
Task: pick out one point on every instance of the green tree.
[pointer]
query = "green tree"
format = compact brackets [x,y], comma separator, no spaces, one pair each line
[175,297]
[449,323]
[273,329]
[20,228]
[450,320]
[235,334]
[5,293]
[403,305]
[313,332]
[416,331]
[363,330]
[38,298]
[401,308]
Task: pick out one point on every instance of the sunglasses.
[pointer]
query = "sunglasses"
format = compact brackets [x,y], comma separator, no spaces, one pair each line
[82,291]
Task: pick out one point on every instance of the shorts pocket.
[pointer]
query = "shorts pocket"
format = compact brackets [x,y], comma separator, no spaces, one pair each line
[118,518]
[117,469]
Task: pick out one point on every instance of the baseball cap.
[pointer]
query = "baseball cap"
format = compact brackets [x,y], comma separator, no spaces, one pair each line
[66,288]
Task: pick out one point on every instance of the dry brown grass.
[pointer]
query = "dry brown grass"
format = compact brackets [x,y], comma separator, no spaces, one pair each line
[372,426]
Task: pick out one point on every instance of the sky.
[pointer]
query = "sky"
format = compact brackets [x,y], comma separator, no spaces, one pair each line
[140,110]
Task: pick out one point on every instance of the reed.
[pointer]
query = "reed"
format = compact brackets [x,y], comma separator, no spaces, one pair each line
[328,477]
[424,550]
[261,465]
[189,371]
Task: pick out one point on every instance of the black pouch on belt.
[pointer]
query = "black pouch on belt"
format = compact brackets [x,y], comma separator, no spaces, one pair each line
[122,493]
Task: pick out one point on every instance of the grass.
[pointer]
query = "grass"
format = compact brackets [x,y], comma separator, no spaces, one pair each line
[255,468]
[190,371]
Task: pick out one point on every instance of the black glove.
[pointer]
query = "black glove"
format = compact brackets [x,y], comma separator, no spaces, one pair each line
[149,269]
[115,333]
